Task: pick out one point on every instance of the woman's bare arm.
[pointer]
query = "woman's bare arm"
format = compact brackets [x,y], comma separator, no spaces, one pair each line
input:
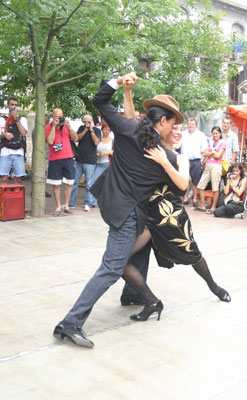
[240,190]
[129,110]
[180,177]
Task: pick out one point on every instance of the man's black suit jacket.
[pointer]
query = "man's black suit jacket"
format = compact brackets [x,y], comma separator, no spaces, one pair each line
[131,178]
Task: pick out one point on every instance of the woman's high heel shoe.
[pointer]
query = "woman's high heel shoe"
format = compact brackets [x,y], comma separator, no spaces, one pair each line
[222,294]
[147,311]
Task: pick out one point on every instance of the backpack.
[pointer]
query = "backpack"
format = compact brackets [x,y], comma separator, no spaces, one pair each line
[17,141]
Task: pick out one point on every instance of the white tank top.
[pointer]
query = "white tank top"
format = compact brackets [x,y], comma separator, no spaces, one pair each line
[104,147]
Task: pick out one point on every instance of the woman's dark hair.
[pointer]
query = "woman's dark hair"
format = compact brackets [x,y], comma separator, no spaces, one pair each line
[148,137]
[240,167]
[217,128]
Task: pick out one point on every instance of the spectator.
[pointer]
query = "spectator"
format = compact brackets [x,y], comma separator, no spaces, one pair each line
[194,143]
[61,164]
[88,138]
[213,169]
[103,122]
[104,151]
[13,143]
[235,187]
[96,122]
[231,139]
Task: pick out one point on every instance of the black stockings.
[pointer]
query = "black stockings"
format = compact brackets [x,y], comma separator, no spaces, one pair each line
[202,269]
[133,277]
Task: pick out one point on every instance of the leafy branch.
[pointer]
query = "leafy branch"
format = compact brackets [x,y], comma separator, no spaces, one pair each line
[55,70]
[66,80]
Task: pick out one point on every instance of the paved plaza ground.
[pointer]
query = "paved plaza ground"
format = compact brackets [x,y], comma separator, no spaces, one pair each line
[197,351]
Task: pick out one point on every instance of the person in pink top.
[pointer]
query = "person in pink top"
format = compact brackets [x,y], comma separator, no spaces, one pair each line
[213,169]
[61,164]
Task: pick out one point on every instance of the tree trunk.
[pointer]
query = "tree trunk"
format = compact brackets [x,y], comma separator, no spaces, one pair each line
[39,154]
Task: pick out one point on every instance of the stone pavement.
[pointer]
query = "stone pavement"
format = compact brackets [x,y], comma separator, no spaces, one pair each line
[197,351]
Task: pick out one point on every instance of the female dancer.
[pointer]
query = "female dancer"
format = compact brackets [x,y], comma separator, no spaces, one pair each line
[168,223]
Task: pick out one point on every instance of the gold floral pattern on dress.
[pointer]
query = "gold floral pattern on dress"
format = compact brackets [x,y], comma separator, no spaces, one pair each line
[188,238]
[166,209]
[158,193]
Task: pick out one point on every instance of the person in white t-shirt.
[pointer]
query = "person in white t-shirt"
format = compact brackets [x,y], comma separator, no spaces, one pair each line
[231,139]
[194,142]
[104,151]
[13,142]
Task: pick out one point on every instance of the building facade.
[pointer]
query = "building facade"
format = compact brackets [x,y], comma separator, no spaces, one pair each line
[234,24]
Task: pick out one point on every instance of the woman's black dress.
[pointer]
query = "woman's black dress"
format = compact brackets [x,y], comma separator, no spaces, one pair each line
[171,231]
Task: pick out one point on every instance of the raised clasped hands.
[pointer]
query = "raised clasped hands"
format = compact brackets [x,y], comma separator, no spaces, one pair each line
[128,80]
[157,154]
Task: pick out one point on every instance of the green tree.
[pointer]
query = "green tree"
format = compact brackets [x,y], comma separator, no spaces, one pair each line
[52,38]
[54,53]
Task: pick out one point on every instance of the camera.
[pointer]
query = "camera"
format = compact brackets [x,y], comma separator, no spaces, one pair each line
[61,120]
[230,175]
[58,147]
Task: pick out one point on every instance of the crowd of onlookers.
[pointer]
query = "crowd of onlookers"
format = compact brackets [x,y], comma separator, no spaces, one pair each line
[89,151]
[72,155]
[213,165]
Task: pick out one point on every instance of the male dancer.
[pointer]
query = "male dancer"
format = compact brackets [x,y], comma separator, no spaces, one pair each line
[122,192]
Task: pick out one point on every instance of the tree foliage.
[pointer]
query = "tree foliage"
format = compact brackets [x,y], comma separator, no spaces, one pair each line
[54,53]
[112,37]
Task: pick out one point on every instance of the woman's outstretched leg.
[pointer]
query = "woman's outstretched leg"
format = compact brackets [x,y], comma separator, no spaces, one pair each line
[135,279]
[202,269]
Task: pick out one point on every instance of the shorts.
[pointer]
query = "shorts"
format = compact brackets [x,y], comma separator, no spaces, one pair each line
[195,170]
[14,161]
[212,173]
[62,170]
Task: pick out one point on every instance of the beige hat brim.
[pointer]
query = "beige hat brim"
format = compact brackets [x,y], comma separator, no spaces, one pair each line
[152,102]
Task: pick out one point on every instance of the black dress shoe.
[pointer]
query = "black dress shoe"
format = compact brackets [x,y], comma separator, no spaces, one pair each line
[132,299]
[72,332]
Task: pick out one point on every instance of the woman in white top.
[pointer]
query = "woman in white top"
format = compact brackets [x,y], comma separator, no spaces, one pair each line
[104,151]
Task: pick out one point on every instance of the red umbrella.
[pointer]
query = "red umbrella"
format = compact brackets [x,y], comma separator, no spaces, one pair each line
[238,116]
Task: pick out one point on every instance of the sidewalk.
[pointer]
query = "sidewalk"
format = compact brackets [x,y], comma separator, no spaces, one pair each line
[197,351]
[50,204]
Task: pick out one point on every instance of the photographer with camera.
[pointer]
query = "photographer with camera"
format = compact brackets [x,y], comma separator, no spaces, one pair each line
[234,192]
[13,143]
[61,163]
[88,137]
